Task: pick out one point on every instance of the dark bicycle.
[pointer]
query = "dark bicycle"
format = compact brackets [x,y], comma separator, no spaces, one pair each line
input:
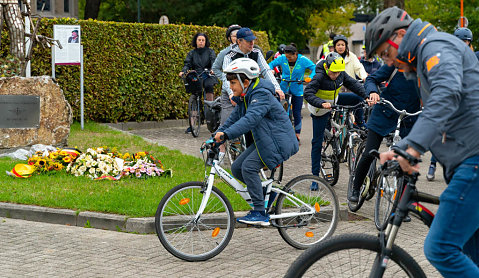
[360,255]
[341,141]
[197,111]
[287,105]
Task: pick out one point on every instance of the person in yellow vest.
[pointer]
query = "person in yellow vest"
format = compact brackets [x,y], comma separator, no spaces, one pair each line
[327,47]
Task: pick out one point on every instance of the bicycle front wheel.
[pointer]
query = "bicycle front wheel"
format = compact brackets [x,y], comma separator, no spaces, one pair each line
[303,231]
[387,199]
[355,206]
[194,115]
[186,238]
[352,255]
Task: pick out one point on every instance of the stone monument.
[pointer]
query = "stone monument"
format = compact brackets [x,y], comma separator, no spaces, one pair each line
[33,111]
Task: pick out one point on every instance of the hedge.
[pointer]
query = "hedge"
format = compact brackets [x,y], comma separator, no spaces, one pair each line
[130,69]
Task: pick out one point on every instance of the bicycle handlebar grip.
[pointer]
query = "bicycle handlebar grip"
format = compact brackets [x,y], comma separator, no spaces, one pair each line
[374,153]
[412,160]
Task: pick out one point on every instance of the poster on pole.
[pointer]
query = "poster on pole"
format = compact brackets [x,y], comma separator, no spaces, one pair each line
[70,38]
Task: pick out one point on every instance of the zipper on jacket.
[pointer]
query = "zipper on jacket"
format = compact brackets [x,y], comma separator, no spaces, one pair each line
[254,140]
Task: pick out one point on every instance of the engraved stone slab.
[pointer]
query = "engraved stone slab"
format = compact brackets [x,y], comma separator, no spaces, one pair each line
[17,111]
[33,111]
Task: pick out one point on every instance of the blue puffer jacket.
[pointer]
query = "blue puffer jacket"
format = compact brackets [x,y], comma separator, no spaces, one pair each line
[403,93]
[261,113]
[302,63]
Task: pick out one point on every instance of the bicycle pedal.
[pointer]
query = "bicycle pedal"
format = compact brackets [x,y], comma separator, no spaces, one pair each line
[329,177]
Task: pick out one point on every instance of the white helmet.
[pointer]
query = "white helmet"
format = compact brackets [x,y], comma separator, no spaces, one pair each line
[243,65]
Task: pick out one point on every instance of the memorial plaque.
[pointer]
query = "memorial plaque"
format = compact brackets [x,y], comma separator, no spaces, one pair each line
[19,111]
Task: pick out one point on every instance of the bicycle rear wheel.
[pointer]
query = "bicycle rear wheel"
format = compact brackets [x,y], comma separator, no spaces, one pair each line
[185,238]
[387,199]
[194,115]
[330,162]
[303,231]
[352,255]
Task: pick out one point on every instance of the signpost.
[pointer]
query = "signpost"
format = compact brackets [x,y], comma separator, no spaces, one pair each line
[71,54]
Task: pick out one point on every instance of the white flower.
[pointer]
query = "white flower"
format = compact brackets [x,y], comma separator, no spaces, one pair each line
[88,164]
[92,170]
[82,169]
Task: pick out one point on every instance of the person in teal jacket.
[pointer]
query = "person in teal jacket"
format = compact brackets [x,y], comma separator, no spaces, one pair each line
[293,67]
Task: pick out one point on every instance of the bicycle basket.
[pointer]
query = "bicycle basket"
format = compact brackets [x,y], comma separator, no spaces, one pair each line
[193,83]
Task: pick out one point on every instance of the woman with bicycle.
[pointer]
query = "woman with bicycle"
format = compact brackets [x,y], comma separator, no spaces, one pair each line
[293,67]
[403,94]
[201,60]
[321,94]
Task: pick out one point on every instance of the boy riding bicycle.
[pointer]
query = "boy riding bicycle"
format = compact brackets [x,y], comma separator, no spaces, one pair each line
[257,111]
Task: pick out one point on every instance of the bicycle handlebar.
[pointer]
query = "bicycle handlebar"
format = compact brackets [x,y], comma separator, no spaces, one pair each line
[401,112]
[305,81]
[339,107]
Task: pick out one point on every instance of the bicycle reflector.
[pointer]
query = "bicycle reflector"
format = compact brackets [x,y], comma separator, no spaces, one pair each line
[316,207]
[216,231]
[309,234]
[307,79]
[184,201]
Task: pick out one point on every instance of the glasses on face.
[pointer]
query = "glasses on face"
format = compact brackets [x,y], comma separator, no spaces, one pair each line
[385,53]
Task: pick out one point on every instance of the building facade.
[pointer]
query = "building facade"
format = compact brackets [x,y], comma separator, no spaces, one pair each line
[56,8]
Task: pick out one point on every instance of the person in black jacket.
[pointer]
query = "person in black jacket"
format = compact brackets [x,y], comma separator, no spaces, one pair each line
[321,93]
[201,60]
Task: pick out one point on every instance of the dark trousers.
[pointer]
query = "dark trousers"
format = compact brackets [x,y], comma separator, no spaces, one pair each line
[373,142]
[246,169]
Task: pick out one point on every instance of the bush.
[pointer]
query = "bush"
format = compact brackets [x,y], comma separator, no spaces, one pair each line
[130,69]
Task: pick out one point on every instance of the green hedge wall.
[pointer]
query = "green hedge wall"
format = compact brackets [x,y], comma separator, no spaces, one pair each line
[130,69]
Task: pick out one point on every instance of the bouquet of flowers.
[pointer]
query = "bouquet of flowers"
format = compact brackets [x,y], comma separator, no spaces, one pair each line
[51,161]
[95,163]
[144,166]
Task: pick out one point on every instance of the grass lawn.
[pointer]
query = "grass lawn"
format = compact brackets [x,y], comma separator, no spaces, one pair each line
[128,196]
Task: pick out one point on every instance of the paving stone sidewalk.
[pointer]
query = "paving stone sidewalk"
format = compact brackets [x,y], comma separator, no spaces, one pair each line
[34,249]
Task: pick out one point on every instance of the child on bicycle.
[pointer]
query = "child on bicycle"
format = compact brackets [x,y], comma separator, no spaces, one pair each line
[403,94]
[258,111]
[447,72]
[321,93]
[293,67]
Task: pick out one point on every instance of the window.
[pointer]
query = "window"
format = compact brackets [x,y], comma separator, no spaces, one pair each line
[66,6]
[40,5]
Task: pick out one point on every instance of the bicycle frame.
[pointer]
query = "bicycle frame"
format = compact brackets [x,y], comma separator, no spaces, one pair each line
[243,192]
[409,202]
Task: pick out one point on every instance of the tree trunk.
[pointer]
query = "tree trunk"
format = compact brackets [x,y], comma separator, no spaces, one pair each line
[92,7]
[390,3]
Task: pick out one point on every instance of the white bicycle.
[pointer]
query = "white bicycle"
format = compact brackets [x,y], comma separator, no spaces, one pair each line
[195,220]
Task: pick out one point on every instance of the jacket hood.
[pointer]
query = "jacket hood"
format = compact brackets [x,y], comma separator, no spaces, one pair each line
[416,33]
[320,67]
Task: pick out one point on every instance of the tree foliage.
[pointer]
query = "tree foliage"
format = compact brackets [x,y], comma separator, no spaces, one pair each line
[337,20]
[284,20]
[444,14]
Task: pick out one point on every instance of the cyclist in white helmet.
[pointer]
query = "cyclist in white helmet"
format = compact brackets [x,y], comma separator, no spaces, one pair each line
[274,140]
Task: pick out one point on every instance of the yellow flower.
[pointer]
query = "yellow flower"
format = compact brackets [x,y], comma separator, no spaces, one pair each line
[67,159]
[63,153]
[126,156]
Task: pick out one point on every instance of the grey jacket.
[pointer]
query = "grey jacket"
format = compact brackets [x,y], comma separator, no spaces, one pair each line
[218,69]
[447,75]
[263,65]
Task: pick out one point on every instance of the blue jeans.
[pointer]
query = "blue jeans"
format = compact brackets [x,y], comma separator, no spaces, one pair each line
[246,168]
[319,125]
[297,102]
[452,245]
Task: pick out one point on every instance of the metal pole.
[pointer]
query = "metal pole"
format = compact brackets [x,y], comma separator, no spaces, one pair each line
[138,4]
[462,13]
[81,86]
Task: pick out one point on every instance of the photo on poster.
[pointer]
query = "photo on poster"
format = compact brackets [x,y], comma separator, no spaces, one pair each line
[74,38]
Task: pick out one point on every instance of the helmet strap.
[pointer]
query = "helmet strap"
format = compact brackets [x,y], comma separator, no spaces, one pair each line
[242,85]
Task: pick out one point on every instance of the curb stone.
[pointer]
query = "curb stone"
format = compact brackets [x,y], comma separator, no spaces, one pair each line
[105,221]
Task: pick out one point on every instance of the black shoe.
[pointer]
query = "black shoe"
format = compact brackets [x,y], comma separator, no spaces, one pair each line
[407,219]
[188,130]
[354,196]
